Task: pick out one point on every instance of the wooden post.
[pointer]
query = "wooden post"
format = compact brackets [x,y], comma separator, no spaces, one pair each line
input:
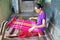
[21,5]
[3,31]
[2,27]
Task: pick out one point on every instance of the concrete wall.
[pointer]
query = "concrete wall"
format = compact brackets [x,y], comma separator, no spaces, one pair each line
[4,10]
[53,10]
[56,9]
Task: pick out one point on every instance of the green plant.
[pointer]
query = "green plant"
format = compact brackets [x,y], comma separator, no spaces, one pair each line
[40,1]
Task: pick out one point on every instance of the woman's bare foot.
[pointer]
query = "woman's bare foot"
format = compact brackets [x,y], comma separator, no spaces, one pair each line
[11,36]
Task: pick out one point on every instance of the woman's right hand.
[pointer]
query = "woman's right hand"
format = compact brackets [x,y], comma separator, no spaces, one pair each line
[31,18]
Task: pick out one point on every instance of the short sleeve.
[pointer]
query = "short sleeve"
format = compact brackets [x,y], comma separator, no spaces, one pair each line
[44,16]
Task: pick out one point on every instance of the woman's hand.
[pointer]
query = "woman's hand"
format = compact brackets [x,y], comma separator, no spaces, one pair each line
[31,18]
[31,29]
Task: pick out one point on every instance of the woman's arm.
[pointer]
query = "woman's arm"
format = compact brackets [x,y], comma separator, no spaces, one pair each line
[40,26]
[33,18]
[43,24]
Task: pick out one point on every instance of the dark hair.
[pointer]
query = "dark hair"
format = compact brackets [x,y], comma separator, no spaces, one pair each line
[38,5]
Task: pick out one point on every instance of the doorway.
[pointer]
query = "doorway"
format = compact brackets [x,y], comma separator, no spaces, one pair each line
[26,5]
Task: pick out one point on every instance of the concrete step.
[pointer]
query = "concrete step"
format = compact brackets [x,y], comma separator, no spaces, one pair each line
[29,38]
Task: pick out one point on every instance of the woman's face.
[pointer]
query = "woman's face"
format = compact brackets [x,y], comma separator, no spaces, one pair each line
[37,10]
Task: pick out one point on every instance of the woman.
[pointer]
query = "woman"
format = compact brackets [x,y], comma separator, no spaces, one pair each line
[41,18]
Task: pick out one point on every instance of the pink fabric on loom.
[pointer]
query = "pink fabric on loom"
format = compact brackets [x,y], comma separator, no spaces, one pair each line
[21,26]
[10,23]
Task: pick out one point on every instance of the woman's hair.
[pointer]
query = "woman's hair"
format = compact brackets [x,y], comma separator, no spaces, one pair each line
[38,5]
